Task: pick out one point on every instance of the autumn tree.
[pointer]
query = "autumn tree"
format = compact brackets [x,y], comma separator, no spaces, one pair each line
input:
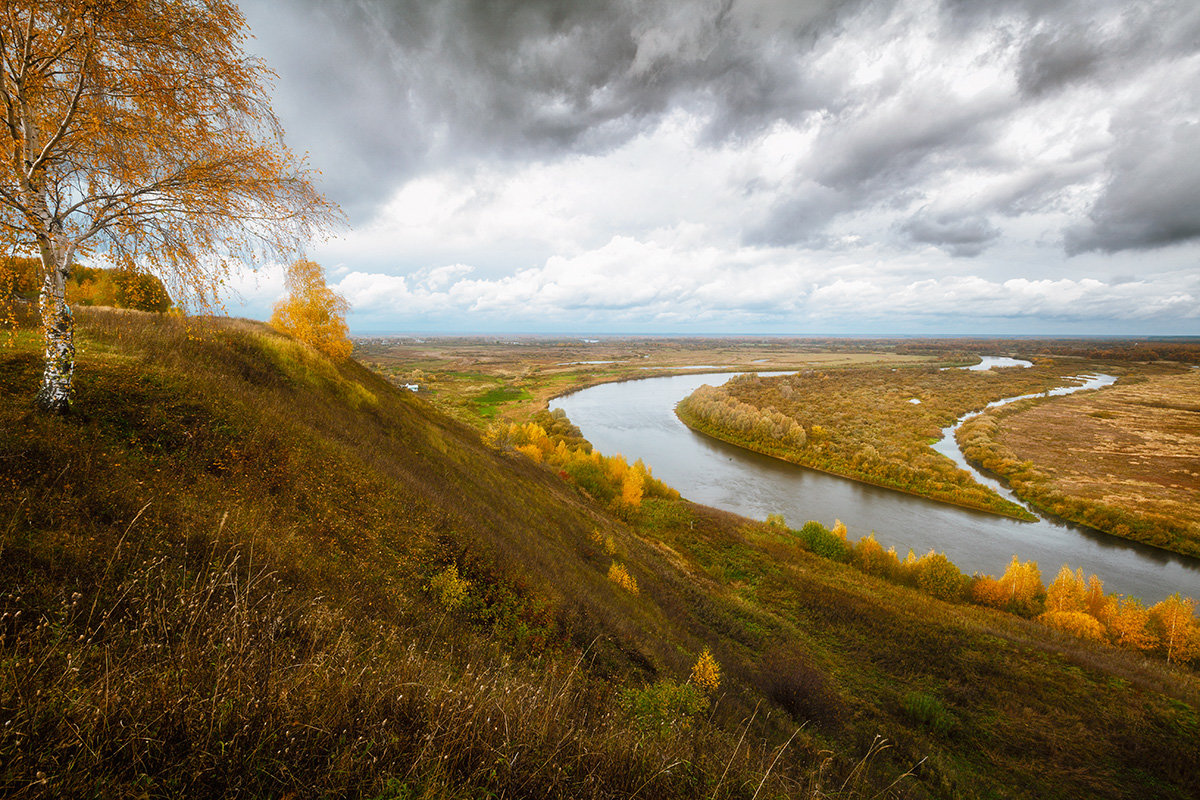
[139,131]
[1019,589]
[312,312]
[1174,620]
[1129,626]
[1068,591]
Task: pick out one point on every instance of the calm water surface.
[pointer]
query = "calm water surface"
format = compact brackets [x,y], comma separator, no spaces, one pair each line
[637,419]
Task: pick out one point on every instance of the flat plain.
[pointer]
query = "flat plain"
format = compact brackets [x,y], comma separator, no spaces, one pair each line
[1134,447]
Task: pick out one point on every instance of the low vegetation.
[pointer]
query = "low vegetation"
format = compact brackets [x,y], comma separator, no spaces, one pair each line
[1123,461]
[241,568]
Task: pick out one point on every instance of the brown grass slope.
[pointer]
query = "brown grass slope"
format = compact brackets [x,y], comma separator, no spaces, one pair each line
[215,581]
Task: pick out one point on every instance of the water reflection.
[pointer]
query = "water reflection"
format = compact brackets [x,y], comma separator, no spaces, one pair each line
[636,418]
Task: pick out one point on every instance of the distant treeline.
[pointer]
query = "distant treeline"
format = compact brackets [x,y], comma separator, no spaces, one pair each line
[21,278]
[1070,603]
[1183,349]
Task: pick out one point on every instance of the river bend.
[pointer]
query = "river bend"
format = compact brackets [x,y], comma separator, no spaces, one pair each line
[637,419]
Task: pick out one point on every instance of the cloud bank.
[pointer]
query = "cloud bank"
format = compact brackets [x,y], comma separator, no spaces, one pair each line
[751,165]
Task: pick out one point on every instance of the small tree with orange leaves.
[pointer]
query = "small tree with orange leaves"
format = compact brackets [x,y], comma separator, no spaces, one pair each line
[706,673]
[1174,620]
[312,312]
[140,132]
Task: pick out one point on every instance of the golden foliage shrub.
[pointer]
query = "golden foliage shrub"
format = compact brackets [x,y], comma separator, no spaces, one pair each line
[621,577]
[1075,622]
[448,588]
[706,673]
[872,559]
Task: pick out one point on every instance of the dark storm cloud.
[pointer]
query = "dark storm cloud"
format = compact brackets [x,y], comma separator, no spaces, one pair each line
[956,234]
[1152,198]
[381,91]
[387,87]
[1066,47]
[1052,60]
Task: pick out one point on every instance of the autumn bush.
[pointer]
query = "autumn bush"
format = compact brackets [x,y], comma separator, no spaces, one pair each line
[824,542]
[621,577]
[938,577]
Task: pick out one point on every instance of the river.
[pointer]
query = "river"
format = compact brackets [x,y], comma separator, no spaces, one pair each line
[637,419]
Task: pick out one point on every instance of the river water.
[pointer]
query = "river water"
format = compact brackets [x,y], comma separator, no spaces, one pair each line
[637,419]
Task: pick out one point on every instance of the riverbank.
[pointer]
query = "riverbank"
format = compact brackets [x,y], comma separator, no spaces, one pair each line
[999,506]
[873,425]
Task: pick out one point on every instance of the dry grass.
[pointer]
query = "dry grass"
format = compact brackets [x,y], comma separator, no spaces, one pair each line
[1130,454]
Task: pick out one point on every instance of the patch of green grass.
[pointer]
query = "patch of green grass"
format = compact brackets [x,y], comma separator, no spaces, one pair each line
[928,712]
[487,404]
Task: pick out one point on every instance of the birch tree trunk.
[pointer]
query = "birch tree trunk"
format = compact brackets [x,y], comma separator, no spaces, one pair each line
[59,325]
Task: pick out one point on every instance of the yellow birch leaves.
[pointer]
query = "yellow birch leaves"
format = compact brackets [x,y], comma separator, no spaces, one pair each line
[312,312]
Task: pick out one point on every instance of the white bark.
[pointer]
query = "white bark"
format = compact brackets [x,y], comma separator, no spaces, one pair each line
[59,325]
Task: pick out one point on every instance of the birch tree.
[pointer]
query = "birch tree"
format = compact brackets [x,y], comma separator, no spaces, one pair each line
[312,312]
[139,131]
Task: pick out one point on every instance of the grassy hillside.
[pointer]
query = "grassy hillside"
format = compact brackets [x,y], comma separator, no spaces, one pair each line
[241,569]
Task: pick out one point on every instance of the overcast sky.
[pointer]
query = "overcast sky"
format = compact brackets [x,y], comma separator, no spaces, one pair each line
[755,166]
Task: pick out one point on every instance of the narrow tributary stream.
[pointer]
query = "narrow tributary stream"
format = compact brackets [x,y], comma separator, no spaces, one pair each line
[637,419]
